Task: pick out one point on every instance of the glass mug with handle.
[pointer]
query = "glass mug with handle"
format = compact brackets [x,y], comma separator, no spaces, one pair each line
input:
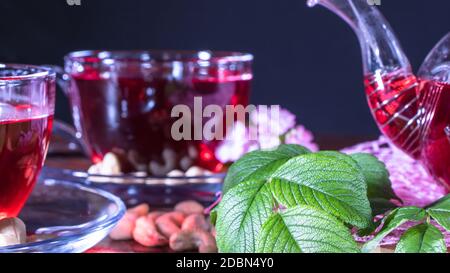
[27,103]
[122,100]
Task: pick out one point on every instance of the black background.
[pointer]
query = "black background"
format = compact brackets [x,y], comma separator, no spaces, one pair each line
[306,60]
[134,262]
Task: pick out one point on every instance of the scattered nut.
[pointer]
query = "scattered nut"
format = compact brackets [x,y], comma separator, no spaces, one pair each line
[195,171]
[124,229]
[169,157]
[94,169]
[146,232]
[170,223]
[175,173]
[189,207]
[191,240]
[195,222]
[110,165]
[186,162]
[155,215]
[140,210]
[12,232]
[156,168]
[185,228]
[140,174]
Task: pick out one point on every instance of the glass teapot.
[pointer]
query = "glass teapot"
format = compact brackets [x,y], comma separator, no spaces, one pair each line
[412,110]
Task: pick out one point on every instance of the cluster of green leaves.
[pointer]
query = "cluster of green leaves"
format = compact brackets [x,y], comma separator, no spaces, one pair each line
[292,200]
[422,237]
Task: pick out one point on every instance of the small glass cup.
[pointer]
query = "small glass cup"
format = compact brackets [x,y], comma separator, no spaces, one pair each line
[27,103]
[122,101]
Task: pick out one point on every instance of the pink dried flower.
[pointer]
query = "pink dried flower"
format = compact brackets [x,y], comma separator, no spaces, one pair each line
[234,145]
[268,141]
[301,136]
[274,120]
[270,126]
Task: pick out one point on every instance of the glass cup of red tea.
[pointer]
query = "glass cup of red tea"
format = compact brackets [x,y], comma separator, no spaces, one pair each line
[122,100]
[27,102]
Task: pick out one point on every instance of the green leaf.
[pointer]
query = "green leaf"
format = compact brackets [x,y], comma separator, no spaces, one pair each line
[395,219]
[440,212]
[376,175]
[305,229]
[381,205]
[328,181]
[213,216]
[343,157]
[423,238]
[240,215]
[257,164]
[370,229]
[379,187]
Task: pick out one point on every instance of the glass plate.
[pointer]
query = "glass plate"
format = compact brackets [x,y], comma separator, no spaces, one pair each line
[158,191]
[66,217]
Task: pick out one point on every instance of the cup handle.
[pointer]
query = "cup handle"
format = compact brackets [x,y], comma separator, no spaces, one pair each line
[62,78]
[67,133]
[68,142]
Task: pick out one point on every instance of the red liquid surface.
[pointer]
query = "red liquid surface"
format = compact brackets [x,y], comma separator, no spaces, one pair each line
[23,146]
[131,116]
[414,115]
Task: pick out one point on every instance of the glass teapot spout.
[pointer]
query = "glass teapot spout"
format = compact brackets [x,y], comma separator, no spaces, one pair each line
[389,83]
[413,112]
[380,47]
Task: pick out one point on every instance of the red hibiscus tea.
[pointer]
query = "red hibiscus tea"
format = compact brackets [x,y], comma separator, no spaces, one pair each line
[23,146]
[414,114]
[26,115]
[122,103]
[435,100]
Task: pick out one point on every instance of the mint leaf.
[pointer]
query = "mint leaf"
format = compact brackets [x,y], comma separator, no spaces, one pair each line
[213,216]
[348,159]
[376,175]
[440,212]
[257,164]
[423,238]
[240,215]
[370,229]
[379,187]
[330,182]
[395,219]
[305,229]
[381,205]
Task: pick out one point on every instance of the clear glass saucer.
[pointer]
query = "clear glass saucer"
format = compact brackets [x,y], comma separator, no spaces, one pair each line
[66,217]
[159,191]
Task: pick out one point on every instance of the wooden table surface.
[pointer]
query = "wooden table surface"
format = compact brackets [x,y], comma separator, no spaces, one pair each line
[60,157]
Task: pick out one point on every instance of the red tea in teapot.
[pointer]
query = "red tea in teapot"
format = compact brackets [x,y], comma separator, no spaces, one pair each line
[414,114]
[435,99]
[412,110]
